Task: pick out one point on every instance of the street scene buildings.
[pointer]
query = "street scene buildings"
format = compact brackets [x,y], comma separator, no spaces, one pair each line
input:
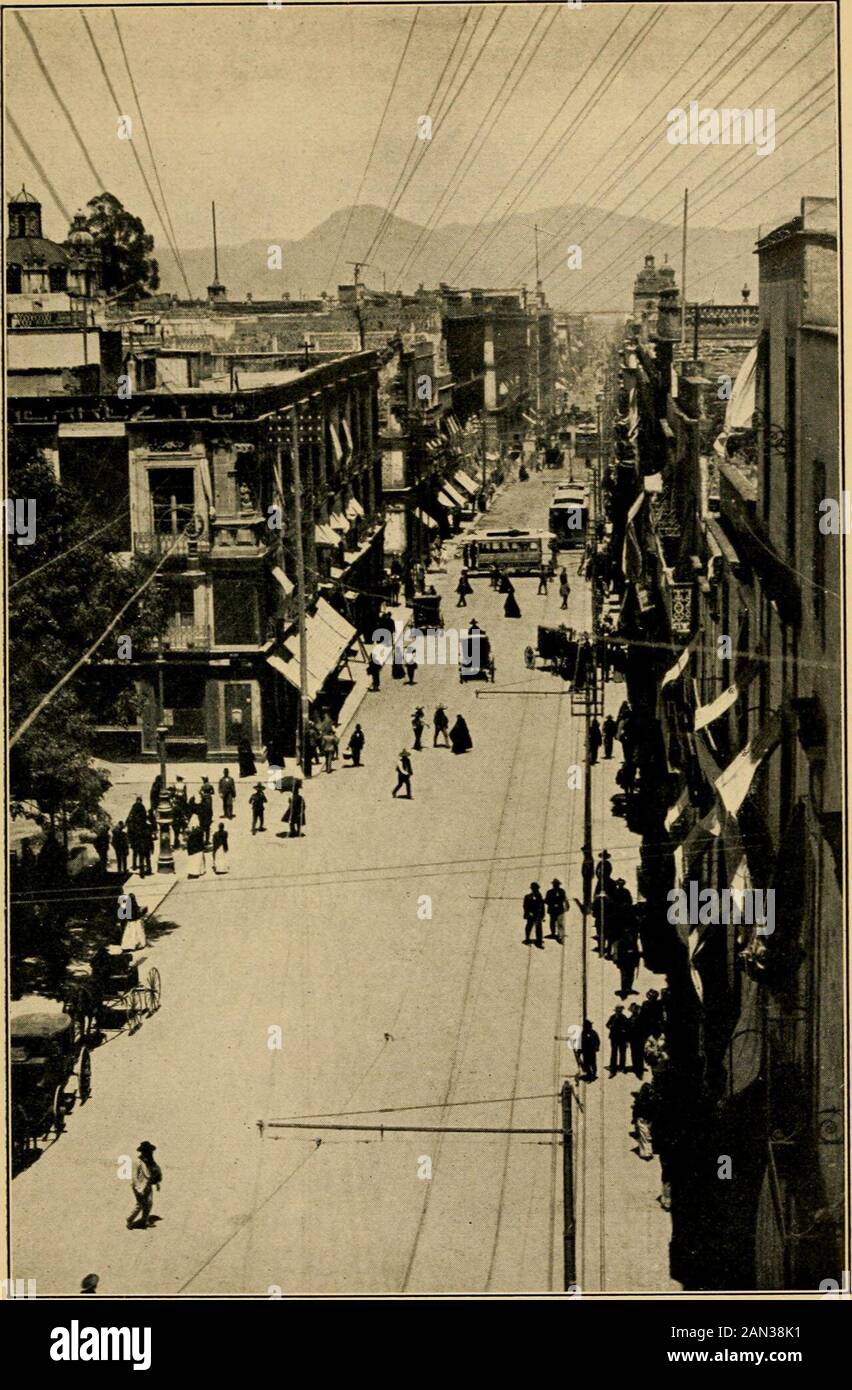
[426,762]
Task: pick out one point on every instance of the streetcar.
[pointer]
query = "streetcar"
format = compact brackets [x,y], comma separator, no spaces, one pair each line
[568,516]
[515,551]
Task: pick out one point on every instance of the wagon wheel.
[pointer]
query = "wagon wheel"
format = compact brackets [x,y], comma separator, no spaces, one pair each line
[154,989]
[85,1075]
[130,1004]
[57,1113]
[529,658]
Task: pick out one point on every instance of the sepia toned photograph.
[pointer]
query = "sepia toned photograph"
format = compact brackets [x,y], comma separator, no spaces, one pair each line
[424,663]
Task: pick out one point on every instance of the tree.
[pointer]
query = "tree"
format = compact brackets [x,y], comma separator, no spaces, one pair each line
[54,616]
[124,245]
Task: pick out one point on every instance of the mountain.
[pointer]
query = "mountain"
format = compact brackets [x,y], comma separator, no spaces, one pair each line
[719,261]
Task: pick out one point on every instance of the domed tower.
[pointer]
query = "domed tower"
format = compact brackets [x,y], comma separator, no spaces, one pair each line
[24,215]
[84,262]
[649,284]
[34,265]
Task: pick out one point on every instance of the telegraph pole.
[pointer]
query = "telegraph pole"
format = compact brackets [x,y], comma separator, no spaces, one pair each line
[300,593]
[683,274]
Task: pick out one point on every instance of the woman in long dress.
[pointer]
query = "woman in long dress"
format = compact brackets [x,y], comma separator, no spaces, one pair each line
[246,756]
[510,607]
[196,862]
[460,736]
[220,850]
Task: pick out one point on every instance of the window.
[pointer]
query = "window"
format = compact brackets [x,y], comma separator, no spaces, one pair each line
[236,620]
[172,492]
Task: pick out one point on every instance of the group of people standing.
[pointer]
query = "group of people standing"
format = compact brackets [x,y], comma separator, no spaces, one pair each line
[458,738]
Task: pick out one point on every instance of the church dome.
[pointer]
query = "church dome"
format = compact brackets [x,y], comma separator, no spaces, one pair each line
[79,237]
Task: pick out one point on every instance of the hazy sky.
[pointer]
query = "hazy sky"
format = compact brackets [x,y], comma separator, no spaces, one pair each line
[273,112]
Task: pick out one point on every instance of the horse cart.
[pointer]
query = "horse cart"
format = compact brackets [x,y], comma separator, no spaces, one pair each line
[426,611]
[556,649]
[475,655]
[50,1072]
[114,983]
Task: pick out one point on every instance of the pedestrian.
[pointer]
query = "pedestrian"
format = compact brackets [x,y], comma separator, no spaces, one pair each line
[543,579]
[460,736]
[137,821]
[651,1010]
[463,588]
[625,953]
[246,756]
[257,801]
[495,576]
[404,773]
[145,1177]
[146,846]
[564,587]
[120,845]
[101,843]
[410,660]
[374,667]
[129,912]
[609,728]
[590,1045]
[556,902]
[533,916]
[603,869]
[220,850]
[295,815]
[205,812]
[645,1111]
[179,819]
[474,555]
[356,745]
[441,726]
[510,607]
[595,741]
[397,663]
[587,873]
[636,1039]
[228,790]
[313,739]
[418,723]
[617,1029]
[196,862]
[329,747]
[419,577]
[156,792]
[466,554]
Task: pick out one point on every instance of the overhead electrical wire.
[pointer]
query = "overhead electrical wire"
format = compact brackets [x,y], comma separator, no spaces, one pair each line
[45,178]
[99,181]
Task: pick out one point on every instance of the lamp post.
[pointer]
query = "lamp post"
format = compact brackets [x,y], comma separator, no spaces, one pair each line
[165,853]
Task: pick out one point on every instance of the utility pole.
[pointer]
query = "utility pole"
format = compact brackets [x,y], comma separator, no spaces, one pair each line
[537,272]
[215,248]
[569,1260]
[296,482]
[683,273]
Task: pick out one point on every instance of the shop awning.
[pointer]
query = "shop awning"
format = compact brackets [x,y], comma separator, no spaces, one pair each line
[346,430]
[459,499]
[425,519]
[734,783]
[328,636]
[706,714]
[337,521]
[631,558]
[323,535]
[335,443]
[675,812]
[446,501]
[681,664]
[465,482]
[354,508]
[286,584]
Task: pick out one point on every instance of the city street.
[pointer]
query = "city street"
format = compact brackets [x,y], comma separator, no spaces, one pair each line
[386,946]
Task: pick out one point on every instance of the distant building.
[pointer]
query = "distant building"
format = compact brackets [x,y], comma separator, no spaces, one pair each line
[647,287]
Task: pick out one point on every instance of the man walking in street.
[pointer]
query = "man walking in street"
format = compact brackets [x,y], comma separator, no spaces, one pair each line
[418,723]
[137,821]
[356,745]
[533,916]
[145,1177]
[120,846]
[618,1030]
[609,728]
[636,1039]
[590,1046]
[227,791]
[463,588]
[146,846]
[556,902]
[543,579]
[374,666]
[625,953]
[564,587]
[442,727]
[587,873]
[404,773]
[257,801]
[205,811]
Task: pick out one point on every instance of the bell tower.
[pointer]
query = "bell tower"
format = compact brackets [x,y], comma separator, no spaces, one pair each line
[24,215]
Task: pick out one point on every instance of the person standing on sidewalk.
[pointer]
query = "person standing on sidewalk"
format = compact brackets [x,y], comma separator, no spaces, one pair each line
[590,1046]
[257,801]
[564,587]
[410,661]
[137,821]
[587,873]
[625,953]
[463,588]
[329,747]
[374,667]
[220,850]
[418,723]
[543,579]
[595,741]
[556,902]
[145,1177]
[609,728]
[356,745]
[227,791]
[404,774]
[120,845]
[636,1039]
[296,813]
[533,916]
[618,1030]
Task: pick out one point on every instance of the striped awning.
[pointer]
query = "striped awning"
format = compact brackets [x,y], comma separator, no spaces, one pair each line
[466,482]
[354,508]
[425,519]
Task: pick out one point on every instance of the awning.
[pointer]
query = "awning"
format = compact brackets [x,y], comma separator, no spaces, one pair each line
[681,664]
[459,499]
[346,430]
[740,408]
[446,501]
[286,584]
[323,535]
[354,508]
[734,783]
[337,521]
[631,557]
[335,442]
[675,812]
[328,636]
[425,519]
[452,422]
[465,482]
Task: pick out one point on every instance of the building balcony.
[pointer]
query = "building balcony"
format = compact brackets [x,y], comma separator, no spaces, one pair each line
[234,536]
[161,544]
[188,637]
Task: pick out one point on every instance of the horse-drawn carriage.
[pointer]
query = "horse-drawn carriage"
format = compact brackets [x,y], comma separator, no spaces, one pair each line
[556,648]
[51,1070]
[113,983]
[426,611]
[475,655]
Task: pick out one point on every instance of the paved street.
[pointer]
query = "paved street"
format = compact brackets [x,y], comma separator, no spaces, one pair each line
[387,948]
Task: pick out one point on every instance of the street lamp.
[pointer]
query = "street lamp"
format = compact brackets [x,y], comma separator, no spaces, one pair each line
[165,854]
